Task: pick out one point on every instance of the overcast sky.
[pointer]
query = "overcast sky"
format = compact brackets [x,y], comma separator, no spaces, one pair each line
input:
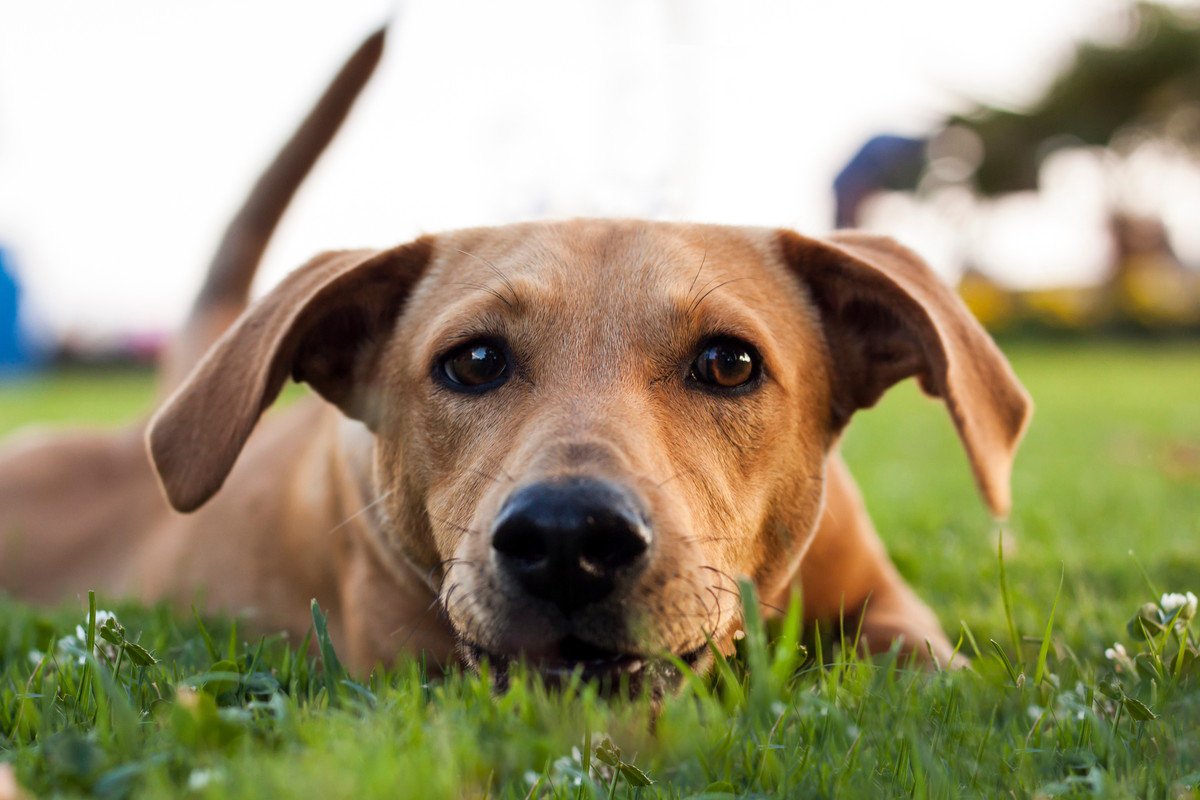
[130,129]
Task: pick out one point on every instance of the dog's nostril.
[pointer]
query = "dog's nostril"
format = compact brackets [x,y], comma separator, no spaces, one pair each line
[520,543]
[612,544]
[569,542]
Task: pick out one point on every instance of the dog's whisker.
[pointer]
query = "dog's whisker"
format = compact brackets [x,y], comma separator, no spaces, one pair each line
[706,539]
[696,305]
[481,287]
[447,604]
[720,573]
[361,511]
[434,605]
[446,566]
[719,588]
[736,591]
[717,600]
[486,476]
[700,268]
[695,300]
[455,525]
[508,284]
[674,475]
[448,597]
[413,630]
[707,612]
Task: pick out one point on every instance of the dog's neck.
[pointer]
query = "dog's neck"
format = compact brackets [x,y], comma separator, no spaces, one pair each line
[363,502]
[384,586]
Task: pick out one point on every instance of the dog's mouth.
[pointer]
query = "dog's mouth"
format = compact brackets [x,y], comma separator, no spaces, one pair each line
[610,669]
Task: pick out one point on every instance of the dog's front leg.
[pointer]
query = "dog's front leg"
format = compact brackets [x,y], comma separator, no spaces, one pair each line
[846,571]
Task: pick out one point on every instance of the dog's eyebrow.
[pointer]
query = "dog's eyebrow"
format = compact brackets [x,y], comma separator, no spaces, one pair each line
[508,284]
[699,269]
[705,291]
[490,290]
[461,322]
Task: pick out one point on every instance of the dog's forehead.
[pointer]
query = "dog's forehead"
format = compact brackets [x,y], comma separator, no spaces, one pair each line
[600,263]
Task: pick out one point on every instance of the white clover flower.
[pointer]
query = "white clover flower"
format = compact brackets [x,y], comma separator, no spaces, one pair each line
[1072,703]
[1120,658]
[1172,602]
[200,778]
[1178,607]
[76,645]
[36,656]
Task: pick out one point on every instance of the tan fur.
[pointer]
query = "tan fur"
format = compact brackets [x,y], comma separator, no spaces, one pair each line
[380,519]
[379,499]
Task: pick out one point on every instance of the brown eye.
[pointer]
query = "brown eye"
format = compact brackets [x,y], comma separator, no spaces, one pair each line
[476,366]
[725,364]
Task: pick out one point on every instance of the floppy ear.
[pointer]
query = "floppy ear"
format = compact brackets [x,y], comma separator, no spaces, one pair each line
[886,317]
[322,325]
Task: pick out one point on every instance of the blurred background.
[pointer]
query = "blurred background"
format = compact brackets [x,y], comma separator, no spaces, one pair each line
[1043,154]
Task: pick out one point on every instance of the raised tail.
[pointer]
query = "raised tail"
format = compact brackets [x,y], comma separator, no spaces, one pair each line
[226,288]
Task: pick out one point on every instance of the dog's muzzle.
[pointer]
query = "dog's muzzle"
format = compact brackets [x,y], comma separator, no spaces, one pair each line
[573,551]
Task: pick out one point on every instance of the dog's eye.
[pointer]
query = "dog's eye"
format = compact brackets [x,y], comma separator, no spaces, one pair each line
[475,365]
[725,363]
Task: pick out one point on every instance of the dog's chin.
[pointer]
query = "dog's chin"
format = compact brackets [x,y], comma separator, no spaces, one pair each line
[613,672]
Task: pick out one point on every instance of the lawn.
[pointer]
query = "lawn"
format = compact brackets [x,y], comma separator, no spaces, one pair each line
[1107,504]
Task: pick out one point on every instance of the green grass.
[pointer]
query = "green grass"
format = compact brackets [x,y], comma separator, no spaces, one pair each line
[1107,485]
[81,396]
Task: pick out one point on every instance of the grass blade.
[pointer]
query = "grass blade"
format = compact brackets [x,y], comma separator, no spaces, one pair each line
[209,645]
[1006,599]
[1008,665]
[1040,672]
[333,672]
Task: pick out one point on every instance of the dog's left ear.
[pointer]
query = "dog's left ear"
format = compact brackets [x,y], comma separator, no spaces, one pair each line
[323,325]
[886,317]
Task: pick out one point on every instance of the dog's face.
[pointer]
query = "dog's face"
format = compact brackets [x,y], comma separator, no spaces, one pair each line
[586,432]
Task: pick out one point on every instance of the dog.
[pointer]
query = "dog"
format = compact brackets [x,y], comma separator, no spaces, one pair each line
[563,442]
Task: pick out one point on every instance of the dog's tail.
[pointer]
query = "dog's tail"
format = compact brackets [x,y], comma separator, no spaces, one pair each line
[226,288]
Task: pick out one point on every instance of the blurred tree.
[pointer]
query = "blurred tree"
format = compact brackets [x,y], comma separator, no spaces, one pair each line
[1113,96]
[1147,84]
[1150,82]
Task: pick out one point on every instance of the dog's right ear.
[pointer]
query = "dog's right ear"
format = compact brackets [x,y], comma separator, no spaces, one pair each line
[886,317]
[322,325]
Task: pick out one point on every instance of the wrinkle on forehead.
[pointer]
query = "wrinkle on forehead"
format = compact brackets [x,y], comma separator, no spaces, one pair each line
[593,250]
[599,282]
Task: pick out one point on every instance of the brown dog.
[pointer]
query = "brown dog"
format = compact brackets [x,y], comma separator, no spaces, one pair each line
[561,440]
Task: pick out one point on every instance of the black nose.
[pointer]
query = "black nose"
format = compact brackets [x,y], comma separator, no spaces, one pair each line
[569,542]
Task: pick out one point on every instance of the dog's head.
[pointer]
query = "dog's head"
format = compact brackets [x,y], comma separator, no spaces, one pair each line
[586,431]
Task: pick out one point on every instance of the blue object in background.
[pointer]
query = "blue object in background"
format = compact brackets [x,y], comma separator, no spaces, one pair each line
[17,352]
[885,162]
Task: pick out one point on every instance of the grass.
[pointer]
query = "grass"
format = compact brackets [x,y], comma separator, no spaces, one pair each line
[1107,519]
